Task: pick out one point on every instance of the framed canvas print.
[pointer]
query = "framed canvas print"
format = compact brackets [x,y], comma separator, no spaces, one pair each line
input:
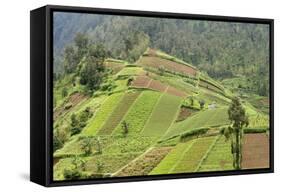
[122,95]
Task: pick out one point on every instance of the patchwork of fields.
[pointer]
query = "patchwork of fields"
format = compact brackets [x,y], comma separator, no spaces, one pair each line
[152,121]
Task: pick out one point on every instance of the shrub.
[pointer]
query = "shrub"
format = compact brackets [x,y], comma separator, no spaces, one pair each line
[64,92]
[255,130]
[193,132]
[71,174]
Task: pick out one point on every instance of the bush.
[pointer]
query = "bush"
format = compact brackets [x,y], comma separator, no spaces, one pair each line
[80,121]
[71,174]
[64,92]
[255,130]
[193,132]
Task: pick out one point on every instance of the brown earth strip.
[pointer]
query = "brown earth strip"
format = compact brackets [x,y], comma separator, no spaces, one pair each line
[184,114]
[141,82]
[157,62]
[157,86]
[176,92]
[255,151]
[72,101]
[145,164]
[118,113]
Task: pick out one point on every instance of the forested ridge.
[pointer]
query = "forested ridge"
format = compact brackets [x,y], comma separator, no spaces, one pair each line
[147,96]
[221,49]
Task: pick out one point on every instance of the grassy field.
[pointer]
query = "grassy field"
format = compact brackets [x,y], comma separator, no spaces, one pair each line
[185,157]
[129,71]
[117,114]
[162,116]
[97,121]
[206,118]
[139,113]
[219,157]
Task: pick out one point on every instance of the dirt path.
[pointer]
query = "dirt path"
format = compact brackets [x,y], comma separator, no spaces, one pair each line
[255,151]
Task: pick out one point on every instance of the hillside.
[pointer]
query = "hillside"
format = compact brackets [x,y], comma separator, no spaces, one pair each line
[149,116]
[217,48]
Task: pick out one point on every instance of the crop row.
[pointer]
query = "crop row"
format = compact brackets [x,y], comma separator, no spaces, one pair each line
[139,113]
[118,113]
[98,119]
[162,116]
[207,118]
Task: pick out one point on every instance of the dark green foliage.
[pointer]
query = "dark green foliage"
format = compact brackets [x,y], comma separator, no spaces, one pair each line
[239,119]
[70,59]
[216,47]
[202,103]
[193,132]
[81,41]
[256,130]
[80,121]
[92,71]
[64,92]
[86,146]
[57,144]
[130,80]
[125,128]
[71,174]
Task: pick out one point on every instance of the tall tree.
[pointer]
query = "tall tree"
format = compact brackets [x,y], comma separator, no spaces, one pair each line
[92,71]
[239,119]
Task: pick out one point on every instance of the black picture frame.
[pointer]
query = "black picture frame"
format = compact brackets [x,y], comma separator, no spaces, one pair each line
[41,118]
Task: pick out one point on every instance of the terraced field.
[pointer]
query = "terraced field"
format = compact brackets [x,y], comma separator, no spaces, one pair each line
[117,114]
[219,157]
[185,157]
[139,113]
[207,118]
[145,163]
[156,62]
[255,152]
[162,116]
[159,115]
[102,114]
[146,82]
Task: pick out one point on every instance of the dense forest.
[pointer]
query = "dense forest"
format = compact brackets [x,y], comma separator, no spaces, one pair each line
[221,49]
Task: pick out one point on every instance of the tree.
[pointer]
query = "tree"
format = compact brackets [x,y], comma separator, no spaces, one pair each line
[82,43]
[239,119]
[92,72]
[202,103]
[161,70]
[98,145]
[191,101]
[125,127]
[86,146]
[75,129]
[64,92]
[70,59]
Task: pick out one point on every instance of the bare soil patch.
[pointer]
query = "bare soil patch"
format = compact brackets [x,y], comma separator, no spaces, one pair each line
[184,114]
[72,101]
[141,82]
[144,164]
[176,92]
[255,151]
[157,85]
[157,62]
